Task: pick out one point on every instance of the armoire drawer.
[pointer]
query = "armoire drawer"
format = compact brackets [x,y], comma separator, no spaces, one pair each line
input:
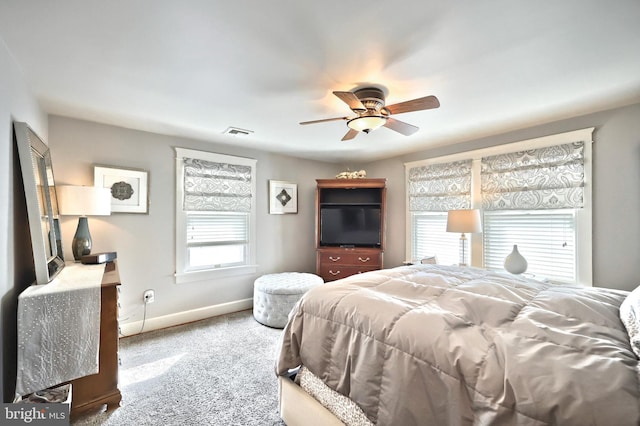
[350,258]
[335,272]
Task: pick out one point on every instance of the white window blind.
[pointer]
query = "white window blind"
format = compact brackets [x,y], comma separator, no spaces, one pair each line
[216,240]
[432,238]
[546,239]
[217,228]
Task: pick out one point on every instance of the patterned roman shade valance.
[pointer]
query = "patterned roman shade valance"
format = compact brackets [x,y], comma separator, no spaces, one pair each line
[211,186]
[544,178]
[440,187]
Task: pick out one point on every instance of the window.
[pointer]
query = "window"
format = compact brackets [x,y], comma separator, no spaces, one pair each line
[433,190]
[536,194]
[215,215]
[432,238]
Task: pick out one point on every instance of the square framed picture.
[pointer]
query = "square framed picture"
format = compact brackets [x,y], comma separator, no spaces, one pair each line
[283,197]
[129,188]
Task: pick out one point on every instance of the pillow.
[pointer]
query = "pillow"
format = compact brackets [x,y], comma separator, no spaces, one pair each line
[630,316]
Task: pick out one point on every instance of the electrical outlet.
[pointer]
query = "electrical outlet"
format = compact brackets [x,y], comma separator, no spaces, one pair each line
[148,296]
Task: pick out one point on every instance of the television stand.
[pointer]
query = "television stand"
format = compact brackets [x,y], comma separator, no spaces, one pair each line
[335,261]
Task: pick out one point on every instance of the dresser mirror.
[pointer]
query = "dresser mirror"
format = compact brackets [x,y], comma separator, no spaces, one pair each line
[42,204]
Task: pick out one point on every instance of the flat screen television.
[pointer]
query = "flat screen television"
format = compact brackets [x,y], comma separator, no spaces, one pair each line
[350,226]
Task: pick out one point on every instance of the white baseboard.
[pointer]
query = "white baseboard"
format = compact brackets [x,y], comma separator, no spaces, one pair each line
[180,318]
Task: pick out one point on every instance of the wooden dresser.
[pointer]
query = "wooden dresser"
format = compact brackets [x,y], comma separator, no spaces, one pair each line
[91,392]
[63,326]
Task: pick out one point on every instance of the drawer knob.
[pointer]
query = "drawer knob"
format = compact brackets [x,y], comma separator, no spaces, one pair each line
[334,259]
[334,273]
[364,260]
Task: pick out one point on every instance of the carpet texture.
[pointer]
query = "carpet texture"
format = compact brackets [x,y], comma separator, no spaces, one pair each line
[218,371]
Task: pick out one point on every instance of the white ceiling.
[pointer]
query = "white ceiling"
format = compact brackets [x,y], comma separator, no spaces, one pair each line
[193,68]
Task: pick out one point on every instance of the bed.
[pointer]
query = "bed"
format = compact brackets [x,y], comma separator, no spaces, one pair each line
[443,345]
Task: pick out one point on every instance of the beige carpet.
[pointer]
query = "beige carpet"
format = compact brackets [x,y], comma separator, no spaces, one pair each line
[218,371]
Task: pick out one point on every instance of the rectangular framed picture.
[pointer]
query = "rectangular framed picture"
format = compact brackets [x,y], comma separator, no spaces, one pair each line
[129,188]
[283,197]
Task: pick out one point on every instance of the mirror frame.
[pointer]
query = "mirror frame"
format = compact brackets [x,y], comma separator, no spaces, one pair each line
[42,203]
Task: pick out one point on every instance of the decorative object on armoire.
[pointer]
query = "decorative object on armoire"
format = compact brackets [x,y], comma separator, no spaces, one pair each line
[129,188]
[360,174]
[515,262]
[464,221]
[83,201]
[283,197]
[42,205]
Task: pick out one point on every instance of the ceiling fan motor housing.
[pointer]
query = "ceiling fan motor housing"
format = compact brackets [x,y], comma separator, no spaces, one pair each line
[372,98]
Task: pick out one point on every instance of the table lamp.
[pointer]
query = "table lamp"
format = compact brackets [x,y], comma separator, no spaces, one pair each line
[464,221]
[83,201]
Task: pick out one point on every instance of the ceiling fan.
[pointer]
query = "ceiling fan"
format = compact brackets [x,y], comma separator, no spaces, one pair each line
[371,112]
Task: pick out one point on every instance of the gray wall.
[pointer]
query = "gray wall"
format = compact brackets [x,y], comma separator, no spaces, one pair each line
[16,265]
[616,198]
[146,243]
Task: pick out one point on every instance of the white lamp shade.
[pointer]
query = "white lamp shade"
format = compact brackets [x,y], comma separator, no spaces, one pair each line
[84,200]
[464,221]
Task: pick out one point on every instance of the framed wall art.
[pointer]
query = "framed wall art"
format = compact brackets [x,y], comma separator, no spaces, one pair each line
[283,197]
[129,188]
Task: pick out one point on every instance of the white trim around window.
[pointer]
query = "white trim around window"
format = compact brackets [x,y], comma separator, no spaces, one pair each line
[584,271]
[185,273]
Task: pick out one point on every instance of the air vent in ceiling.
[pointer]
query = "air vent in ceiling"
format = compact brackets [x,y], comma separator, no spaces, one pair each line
[234,131]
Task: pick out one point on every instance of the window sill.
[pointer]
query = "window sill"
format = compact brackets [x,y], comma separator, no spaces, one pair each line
[195,276]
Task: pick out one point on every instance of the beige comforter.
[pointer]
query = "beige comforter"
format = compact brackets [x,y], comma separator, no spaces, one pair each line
[441,345]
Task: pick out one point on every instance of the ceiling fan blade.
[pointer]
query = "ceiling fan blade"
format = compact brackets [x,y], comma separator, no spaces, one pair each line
[428,102]
[324,120]
[352,100]
[401,127]
[350,135]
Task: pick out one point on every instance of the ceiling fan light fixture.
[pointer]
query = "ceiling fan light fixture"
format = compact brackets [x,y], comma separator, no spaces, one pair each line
[367,123]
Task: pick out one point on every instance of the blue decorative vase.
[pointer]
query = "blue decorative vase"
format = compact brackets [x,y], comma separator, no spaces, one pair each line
[514,262]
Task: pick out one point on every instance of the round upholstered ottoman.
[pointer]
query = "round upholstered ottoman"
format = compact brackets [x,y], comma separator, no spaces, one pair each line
[274,295]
